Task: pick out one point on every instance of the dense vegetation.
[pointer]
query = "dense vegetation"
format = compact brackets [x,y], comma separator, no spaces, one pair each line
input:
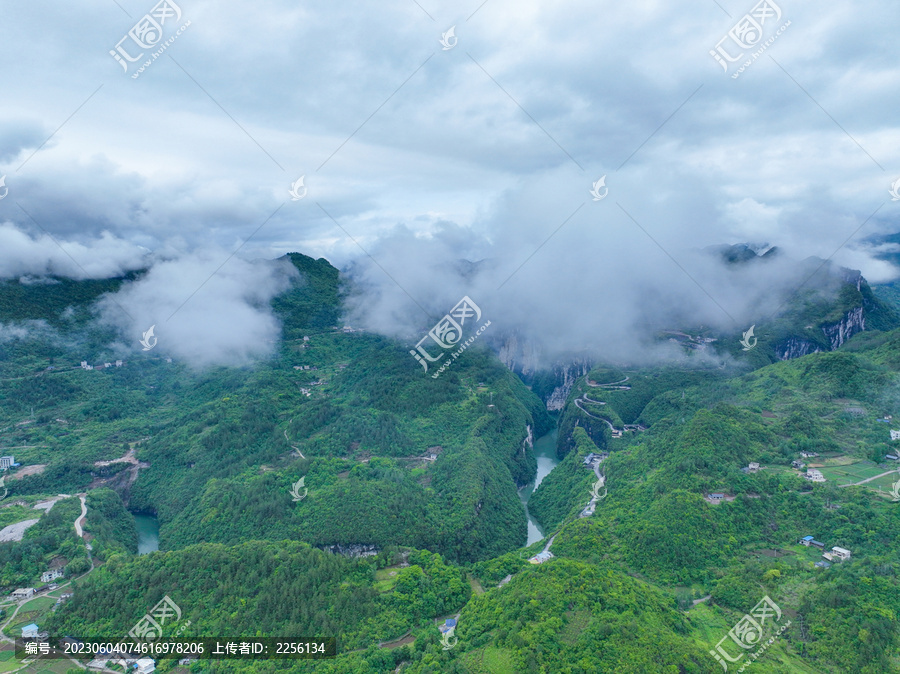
[427,470]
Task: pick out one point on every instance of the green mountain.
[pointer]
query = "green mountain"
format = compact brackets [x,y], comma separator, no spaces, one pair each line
[362,500]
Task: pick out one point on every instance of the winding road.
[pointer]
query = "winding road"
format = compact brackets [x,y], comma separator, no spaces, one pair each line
[614,386]
[19,604]
[294,447]
[617,432]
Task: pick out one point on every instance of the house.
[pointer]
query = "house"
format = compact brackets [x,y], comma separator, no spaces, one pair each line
[895,435]
[892,457]
[84,365]
[448,625]
[7,462]
[798,464]
[822,564]
[65,595]
[809,455]
[754,466]
[30,631]
[306,339]
[144,666]
[541,557]
[806,540]
[814,475]
[23,592]
[118,363]
[716,497]
[53,574]
[107,364]
[589,459]
[52,586]
[840,554]
[42,588]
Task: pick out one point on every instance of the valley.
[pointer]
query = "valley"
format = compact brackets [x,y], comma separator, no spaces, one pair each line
[334,490]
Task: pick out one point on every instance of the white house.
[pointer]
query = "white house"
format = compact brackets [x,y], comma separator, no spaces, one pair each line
[53,574]
[23,592]
[541,557]
[895,435]
[814,475]
[840,554]
[144,666]
[7,462]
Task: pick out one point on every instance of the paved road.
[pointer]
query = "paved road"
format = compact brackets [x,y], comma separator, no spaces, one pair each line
[22,602]
[615,430]
[299,453]
[841,486]
[612,385]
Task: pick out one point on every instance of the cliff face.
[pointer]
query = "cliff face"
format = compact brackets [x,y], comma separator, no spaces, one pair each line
[519,354]
[553,383]
[853,322]
[568,374]
[794,347]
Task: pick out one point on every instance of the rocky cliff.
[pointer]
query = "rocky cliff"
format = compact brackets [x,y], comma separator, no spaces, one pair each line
[853,322]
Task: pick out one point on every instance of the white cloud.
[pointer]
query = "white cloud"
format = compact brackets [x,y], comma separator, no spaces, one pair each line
[205,313]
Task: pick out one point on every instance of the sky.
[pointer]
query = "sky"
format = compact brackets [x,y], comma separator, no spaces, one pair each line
[420,147]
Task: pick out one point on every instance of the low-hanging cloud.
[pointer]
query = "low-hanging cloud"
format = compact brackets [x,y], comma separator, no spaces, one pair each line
[204,313]
[603,285]
[36,255]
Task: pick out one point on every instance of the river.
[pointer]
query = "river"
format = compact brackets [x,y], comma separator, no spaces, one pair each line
[148,533]
[545,452]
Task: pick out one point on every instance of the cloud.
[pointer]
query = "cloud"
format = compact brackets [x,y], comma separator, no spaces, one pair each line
[24,330]
[425,157]
[575,277]
[39,254]
[205,312]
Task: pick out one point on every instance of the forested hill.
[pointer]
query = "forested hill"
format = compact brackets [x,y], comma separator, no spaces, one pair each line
[388,456]
[690,514]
